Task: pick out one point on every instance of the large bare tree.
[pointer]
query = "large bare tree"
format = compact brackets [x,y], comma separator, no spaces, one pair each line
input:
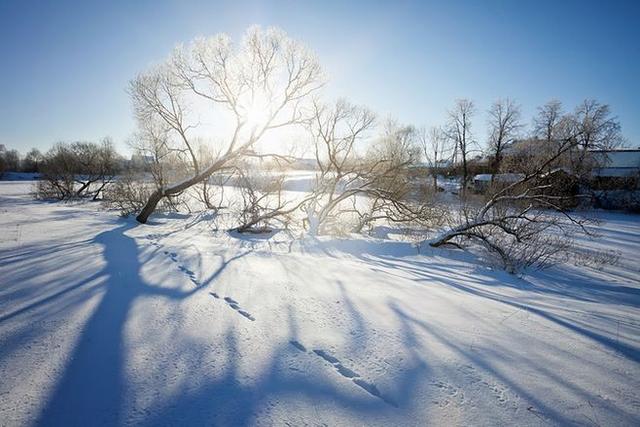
[261,84]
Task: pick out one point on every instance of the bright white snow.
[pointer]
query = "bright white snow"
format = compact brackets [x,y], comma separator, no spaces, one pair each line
[104,321]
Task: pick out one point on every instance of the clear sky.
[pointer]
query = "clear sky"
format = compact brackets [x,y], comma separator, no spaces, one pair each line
[65,65]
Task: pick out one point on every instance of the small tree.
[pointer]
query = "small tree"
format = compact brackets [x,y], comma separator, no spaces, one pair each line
[336,130]
[368,187]
[11,160]
[504,124]
[77,170]
[3,164]
[550,122]
[597,129]
[458,130]
[262,200]
[32,161]
[436,149]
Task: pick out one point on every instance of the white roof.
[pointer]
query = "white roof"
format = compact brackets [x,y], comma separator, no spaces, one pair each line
[617,162]
[503,177]
[619,158]
[482,177]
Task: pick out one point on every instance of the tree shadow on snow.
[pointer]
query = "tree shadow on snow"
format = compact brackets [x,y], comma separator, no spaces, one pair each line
[93,383]
[94,386]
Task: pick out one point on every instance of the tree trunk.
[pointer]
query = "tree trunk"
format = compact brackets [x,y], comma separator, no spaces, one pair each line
[157,195]
[150,206]
[465,175]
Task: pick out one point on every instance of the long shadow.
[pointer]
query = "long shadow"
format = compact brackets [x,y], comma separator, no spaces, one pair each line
[571,287]
[93,385]
[629,351]
[410,322]
[47,299]
[229,399]
[539,403]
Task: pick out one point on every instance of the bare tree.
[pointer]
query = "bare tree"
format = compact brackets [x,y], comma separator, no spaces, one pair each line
[458,131]
[596,127]
[504,124]
[262,201]
[524,223]
[547,124]
[368,187]
[153,166]
[77,170]
[436,149]
[32,161]
[262,84]
[336,130]
[385,180]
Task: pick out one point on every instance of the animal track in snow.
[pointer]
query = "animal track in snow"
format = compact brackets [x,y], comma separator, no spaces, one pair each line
[297,345]
[174,257]
[345,372]
[499,391]
[234,305]
[190,274]
[326,356]
[450,393]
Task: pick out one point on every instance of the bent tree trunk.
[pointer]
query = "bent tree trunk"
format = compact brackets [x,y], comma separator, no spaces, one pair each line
[150,206]
[161,193]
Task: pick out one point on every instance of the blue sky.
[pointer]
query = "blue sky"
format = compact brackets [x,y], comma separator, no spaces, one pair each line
[65,65]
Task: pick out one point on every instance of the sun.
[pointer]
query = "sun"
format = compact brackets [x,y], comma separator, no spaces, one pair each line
[257,111]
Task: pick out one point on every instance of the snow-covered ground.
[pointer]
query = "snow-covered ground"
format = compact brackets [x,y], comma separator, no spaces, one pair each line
[104,321]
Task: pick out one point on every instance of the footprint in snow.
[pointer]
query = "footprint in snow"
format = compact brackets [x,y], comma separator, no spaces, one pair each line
[190,274]
[345,372]
[297,345]
[234,305]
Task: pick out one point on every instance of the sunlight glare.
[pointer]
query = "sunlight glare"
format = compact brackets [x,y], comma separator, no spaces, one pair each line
[257,111]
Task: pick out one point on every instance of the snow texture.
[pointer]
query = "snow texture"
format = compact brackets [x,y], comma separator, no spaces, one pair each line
[107,322]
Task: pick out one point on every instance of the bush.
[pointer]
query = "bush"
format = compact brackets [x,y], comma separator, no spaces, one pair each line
[77,170]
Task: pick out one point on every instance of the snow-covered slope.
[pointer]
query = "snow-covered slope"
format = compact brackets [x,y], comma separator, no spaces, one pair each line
[104,321]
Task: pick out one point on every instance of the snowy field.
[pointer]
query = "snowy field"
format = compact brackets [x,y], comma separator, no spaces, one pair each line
[107,322]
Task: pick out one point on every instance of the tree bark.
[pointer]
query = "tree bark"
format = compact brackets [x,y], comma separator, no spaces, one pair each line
[159,194]
[148,209]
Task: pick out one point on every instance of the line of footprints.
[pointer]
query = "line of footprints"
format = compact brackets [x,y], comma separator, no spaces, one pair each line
[346,372]
[192,276]
[234,305]
[174,257]
[340,368]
